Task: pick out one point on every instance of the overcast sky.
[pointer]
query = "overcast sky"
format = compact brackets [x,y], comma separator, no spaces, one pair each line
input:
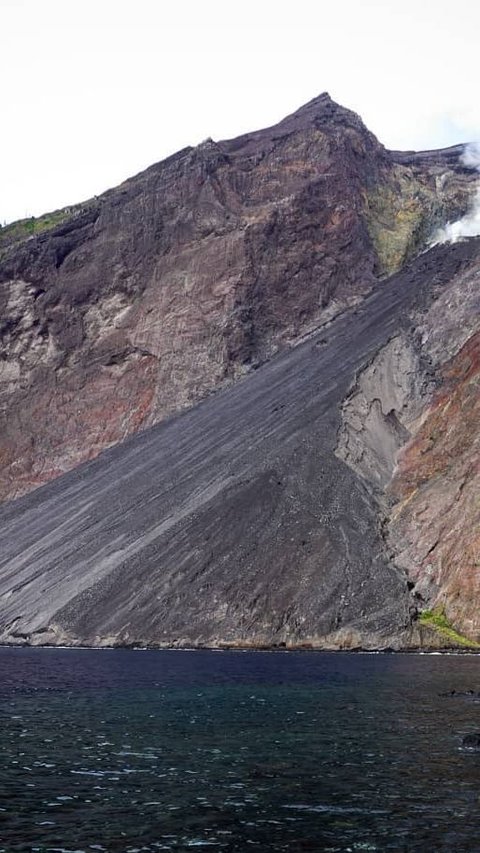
[93,91]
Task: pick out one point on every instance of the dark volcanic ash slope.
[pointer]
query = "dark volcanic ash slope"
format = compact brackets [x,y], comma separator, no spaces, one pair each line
[236,522]
[125,309]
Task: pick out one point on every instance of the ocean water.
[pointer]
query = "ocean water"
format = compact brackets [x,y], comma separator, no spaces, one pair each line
[129,751]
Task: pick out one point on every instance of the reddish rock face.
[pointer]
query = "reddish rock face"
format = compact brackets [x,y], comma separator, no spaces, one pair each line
[85,415]
[141,302]
[410,429]
[436,523]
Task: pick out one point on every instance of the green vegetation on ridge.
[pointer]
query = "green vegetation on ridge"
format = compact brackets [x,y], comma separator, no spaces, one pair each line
[22,229]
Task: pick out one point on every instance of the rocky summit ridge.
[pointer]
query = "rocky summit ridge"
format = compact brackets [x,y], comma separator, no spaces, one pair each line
[326,495]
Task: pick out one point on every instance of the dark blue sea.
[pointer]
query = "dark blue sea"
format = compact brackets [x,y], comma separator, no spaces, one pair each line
[129,751]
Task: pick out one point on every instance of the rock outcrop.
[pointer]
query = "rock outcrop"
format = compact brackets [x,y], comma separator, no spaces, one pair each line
[411,429]
[326,495]
[435,522]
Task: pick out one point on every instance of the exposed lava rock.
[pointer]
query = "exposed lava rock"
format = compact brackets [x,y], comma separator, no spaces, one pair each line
[411,428]
[123,310]
[435,526]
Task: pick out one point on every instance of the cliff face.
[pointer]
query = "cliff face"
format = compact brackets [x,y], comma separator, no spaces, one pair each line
[435,522]
[123,310]
[411,429]
[326,495]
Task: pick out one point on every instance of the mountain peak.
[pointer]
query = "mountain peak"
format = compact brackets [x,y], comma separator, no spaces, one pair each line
[319,101]
[321,112]
[322,108]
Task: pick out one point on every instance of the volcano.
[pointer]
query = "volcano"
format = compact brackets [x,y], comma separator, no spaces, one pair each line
[239,401]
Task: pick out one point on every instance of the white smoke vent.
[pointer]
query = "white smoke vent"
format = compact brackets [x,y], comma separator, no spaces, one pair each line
[468,225]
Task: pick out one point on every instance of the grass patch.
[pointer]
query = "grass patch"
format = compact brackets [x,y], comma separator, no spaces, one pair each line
[437,621]
[25,228]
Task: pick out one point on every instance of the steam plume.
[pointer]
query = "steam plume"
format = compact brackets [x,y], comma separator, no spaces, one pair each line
[468,225]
